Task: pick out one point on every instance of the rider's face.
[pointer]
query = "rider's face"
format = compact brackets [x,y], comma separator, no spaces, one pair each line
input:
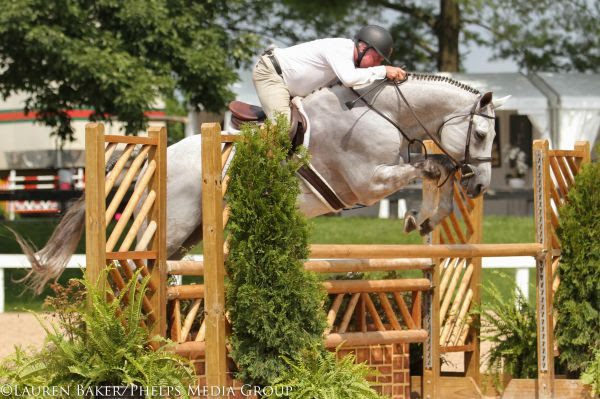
[371,58]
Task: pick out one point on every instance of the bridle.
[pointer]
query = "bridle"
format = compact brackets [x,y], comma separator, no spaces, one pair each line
[465,165]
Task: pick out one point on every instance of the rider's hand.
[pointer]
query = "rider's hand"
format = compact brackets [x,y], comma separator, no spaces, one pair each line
[394,73]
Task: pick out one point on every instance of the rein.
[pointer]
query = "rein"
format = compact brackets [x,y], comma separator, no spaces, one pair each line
[464,166]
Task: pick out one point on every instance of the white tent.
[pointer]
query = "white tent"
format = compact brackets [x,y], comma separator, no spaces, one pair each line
[574,104]
[525,98]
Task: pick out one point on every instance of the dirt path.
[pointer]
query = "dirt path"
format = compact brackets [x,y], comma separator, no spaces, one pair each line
[20,329]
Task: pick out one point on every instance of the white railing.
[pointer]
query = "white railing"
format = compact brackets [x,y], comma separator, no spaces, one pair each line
[521,263]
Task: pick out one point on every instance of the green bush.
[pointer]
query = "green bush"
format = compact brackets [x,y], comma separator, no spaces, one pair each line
[97,343]
[510,325]
[274,305]
[591,374]
[317,374]
[577,299]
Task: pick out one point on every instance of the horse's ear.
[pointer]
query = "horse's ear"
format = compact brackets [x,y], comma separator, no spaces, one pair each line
[498,102]
[486,99]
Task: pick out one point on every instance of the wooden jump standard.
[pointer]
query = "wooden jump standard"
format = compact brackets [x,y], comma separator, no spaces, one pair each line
[451,265]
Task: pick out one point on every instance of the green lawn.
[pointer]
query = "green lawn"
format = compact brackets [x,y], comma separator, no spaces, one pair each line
[324,230]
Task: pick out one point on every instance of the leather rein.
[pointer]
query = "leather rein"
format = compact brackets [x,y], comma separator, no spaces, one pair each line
[464,165]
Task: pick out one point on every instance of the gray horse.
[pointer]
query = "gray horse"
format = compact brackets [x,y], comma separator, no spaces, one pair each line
[355,149]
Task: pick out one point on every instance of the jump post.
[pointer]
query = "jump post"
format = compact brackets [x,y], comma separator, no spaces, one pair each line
[439,302]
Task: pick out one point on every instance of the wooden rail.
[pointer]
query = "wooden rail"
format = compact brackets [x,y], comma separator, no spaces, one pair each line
[422,251]
[196,268]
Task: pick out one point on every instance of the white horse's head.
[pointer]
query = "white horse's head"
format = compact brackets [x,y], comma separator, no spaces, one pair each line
[468,135]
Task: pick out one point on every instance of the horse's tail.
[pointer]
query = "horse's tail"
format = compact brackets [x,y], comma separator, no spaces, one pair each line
[49,262]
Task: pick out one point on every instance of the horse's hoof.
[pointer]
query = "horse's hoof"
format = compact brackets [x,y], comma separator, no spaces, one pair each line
[410,221]
[425,227]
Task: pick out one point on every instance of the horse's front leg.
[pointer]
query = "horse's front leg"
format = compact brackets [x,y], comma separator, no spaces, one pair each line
[437,200]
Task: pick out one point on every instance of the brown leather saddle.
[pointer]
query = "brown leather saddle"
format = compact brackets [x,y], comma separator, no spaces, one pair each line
[242,112]
[246,113]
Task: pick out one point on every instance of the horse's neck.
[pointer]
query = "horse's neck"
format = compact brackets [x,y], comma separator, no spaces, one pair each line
[431,101]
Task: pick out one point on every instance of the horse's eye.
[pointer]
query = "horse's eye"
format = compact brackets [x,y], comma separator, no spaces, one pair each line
[480,135]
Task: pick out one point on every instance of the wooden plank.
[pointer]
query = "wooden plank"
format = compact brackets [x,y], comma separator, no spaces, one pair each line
[115,138]
[464,212]
[564,168]
[176,322]
[115,172]
[213,241]
[472,359]
[158,244]
[348,313]
[375,338]
[577,152]
[454,349]
[389,312]
[366,265]
[95,226]
[131,255]
[404,311]
[132,173]
[226,138]
[528,389]
[189,319]
[545,335]
[373,312]
[192,291]
[191,350]
[451,387]
[562,185]
[423,251]
[332,314]
[363,286]
[416,308]
[461,236]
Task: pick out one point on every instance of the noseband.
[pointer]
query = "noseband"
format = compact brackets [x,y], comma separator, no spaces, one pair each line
[464,166]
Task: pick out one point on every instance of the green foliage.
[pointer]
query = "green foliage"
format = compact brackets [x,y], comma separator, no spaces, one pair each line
[591,374]
[96,343]
[274,305]
[319,375]
[527,32]
[119,57]
[510,325]
[577,299]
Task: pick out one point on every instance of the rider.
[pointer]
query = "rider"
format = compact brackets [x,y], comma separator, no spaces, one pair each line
[296,71]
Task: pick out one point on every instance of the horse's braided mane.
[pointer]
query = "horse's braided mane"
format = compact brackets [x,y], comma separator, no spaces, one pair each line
[439,78]
[425,76]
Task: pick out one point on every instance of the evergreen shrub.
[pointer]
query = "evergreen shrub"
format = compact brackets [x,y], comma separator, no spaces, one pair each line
[275,306]
[577,300]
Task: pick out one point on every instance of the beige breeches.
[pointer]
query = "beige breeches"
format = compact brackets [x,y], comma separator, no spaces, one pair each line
[272,92]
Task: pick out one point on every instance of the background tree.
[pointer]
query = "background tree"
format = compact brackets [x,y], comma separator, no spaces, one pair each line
[119,57]
[428,33]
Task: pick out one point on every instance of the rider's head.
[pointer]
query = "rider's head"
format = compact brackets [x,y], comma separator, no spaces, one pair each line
[374,44]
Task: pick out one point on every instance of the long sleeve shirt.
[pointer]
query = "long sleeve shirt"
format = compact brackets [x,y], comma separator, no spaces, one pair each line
[311,65]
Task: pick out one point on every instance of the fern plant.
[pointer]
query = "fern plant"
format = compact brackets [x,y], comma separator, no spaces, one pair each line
[319,374]
[106,344]
[510,325]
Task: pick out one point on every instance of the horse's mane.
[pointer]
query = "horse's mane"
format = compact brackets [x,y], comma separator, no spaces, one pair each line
[440,78]
[422,76]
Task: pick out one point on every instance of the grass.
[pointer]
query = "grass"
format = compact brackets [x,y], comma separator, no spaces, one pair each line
[324,230]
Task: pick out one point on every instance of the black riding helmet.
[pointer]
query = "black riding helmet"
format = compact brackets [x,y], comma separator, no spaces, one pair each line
[377,38]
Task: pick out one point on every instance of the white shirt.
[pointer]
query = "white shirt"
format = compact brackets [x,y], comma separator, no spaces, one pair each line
[312,65]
